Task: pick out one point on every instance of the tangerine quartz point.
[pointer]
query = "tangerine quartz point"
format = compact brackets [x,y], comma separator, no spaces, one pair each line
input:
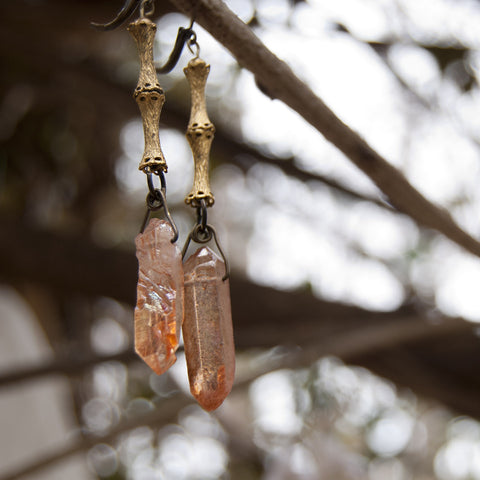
[207,329]
[159,309]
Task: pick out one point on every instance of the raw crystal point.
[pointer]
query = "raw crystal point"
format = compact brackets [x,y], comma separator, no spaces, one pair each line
[159,310]
[207,329]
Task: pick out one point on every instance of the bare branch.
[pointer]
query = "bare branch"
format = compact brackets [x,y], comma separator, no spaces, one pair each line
[277,78]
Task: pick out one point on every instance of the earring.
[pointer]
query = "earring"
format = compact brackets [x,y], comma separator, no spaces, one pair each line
[207,327]
[197,292]
[159,308]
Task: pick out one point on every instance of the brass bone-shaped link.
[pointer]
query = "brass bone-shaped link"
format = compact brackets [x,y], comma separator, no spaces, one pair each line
[148,95]
[200,133]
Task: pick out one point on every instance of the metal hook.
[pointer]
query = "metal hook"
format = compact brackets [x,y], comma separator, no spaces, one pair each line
[149,4]
[193,42]
[127,11]
[156,199]
[184,35]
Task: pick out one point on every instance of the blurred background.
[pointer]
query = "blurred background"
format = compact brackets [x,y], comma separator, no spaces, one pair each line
[356,336]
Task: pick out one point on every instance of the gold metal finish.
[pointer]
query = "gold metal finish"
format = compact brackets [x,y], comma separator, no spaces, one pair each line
[200,133]
[148,95]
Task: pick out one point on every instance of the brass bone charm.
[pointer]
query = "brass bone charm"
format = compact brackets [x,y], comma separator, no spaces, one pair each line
[148,95]
[200,132]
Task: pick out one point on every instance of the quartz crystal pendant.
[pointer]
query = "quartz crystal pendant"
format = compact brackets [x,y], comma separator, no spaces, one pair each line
[207,329]
[159,310]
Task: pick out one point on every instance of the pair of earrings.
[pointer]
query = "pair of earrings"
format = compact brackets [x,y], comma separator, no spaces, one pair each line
[173,295]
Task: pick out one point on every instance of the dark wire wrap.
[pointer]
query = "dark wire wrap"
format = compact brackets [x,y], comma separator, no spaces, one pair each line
[156,200]
[202,232]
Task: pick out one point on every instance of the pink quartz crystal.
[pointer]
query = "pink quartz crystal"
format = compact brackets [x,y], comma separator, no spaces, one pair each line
[159,310]
[207,329]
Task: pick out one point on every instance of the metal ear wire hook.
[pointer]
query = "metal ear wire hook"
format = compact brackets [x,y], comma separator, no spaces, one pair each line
[125,13]
[147,3]
[192,42]
[184,35]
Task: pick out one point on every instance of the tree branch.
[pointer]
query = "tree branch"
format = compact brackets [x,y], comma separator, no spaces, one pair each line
[277,78]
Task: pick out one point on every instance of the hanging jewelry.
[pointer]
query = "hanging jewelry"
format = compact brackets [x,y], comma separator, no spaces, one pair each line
[207,327]
[159,308]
